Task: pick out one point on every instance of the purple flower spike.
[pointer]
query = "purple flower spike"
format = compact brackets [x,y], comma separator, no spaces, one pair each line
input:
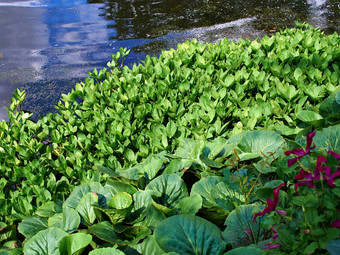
[275,235]
[276,193]
[282,212]
[301,152]
[309,142]
[272,246]
[271,204]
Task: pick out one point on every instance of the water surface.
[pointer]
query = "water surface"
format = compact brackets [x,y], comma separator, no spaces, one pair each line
[47,46]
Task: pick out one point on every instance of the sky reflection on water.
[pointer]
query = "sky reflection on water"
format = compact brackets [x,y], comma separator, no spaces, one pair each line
[49,45]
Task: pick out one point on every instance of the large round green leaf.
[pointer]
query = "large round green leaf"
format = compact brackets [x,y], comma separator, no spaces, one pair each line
[189,149]
[148,246]
[172,187]
[330,108]
[189,205]
[333,247]
[257,143]
[203,188]
[104,195]
[148,167]
[118,186]
[188,234]
[74,244]
[241,229]
[69,220]
[245,250]
[177,165]
[106,251]
[32,225]
[144,208]
[328,138]
[45,242]
[226,197]
[85,208]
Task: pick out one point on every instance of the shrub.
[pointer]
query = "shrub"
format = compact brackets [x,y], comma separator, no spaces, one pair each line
[202,91]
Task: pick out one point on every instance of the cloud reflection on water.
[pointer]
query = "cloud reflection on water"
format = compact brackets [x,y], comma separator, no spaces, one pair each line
[46,49]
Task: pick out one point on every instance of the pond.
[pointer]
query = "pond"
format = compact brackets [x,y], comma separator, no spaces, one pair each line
[47,46]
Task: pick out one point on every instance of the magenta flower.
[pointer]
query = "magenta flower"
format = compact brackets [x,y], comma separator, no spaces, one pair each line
[309,177]
[330,177]
[271,204]
[320,172]
[301,152]
[275,235]
[334,154]
[336,224]
[270,246]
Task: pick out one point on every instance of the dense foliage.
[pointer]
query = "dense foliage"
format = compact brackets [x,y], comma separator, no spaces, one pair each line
[194,139]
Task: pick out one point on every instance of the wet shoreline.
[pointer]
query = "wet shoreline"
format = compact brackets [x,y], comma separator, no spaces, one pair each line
[49,46]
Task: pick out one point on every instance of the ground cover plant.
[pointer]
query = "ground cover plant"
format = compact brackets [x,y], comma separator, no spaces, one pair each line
[196,139]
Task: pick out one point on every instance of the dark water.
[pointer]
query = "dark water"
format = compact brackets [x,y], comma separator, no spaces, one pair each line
[47,46]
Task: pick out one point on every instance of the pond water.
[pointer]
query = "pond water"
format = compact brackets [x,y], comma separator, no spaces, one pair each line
[47,46]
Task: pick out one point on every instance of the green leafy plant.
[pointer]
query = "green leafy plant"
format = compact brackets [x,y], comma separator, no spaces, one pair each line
[196,135]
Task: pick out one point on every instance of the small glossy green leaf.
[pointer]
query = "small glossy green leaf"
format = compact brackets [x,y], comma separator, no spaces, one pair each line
[121,200]
[152,168]
[310,117]
[46,210]
[105,231]
[9,232]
